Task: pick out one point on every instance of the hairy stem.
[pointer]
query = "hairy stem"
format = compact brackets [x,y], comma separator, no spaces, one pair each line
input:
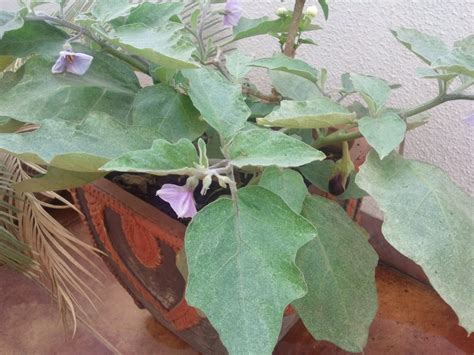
[136,63]
[289,49]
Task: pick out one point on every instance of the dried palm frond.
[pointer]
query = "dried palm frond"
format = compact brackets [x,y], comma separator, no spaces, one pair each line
[63,260]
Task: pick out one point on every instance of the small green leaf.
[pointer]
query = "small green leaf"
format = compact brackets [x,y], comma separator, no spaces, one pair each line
[237,63]
[427,47]
[241,263]
[339,268]
[220,102]
[289,65]
[317,113]
[325,7]
[429,73]
[383,133]
[108,10]
[262,147]
[294,87]
[10,21]
[167,45]
[155,15]
[34,37]
[373,90]
[429,220]
[163,158]
[457,62]
[286,183]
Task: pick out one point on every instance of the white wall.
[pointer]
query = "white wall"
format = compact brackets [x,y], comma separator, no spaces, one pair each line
[357,39]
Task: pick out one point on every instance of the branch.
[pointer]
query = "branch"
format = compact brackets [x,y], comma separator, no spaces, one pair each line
[290,49]
[435,102]
[261,95]
[136,63]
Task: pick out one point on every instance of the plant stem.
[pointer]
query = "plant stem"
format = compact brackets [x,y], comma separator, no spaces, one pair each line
[136,63]
[290,49]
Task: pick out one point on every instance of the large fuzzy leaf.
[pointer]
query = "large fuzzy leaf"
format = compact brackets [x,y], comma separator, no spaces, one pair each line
[374,91]
[241,263]
[220,102]
[155,15]
[288,65]
[294,87]
[339,268]
[167,45]
[262,147]
[107,10]
[317,113]
[10,21]
[429,220]
[384,133]
[163,158]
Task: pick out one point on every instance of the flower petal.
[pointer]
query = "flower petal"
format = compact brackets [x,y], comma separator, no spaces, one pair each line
[470,120]
[80,63]
[233,13]
[59,66]
[180,198]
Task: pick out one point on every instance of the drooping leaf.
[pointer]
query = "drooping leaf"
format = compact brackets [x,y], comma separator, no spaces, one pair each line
[429,220]
[317,113]
[10,21]
[286,64]
[34,37]
[427,47]
[373,90]
[109,86]
[286,183]
[220,102]
[108,10]
[294,87]
[325,7]
[167,45]
[155,15]
[163,109]
[163,158]
[383,133]
[261,147]
[237,63]
[241,263]
[339,268]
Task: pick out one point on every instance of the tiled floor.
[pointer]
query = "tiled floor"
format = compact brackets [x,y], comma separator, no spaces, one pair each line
[411,319]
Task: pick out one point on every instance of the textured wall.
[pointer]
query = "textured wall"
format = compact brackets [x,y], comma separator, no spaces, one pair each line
[356,38]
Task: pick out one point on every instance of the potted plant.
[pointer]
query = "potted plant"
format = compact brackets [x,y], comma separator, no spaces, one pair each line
[231,166]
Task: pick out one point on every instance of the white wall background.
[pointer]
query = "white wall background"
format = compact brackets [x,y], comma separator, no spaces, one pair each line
[356,38]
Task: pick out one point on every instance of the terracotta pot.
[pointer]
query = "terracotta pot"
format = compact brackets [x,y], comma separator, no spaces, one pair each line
[141,244]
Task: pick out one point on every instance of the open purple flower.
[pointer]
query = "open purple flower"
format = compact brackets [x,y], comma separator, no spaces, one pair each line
[180,198]
[74,63]
[233,13]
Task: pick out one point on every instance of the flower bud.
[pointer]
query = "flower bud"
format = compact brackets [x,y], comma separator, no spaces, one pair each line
[206,183]
[223,181]
[282,11]
[311,11]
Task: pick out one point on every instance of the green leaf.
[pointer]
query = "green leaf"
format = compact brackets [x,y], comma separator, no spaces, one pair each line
[220,102]
[286,183]
[429,73]
[10,126]
[383,133]
[262,147]
[317,113]
[167,45]
[325,7]
[10,21]
[466,45]
[294,87]
[155,15]
[34,37]
[237,63]
[374,91]
[429,220]
[260,26]
[339,268]
[427,47]
[241,263]
[5,62]
[109,86]
[286,64]
[457,62]
[107,10]
[163,158]
[169,113]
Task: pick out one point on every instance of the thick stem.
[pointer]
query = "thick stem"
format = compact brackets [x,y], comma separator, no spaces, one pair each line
[289,49]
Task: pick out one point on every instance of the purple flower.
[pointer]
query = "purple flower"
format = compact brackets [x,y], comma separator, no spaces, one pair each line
[233,13]
[75,63]
[180,198]
[470,120]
